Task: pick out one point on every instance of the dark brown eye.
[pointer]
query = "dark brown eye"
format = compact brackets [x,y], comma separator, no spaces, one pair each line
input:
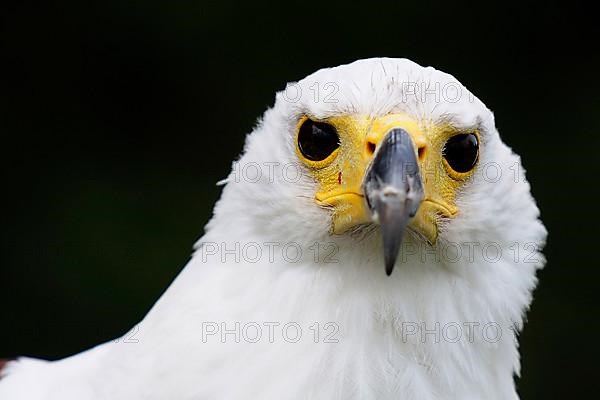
[461,152]
[317,140]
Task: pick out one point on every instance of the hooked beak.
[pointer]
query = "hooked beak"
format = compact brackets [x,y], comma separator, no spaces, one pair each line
[393,190]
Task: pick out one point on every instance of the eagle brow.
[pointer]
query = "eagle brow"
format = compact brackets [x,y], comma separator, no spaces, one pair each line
[454,123]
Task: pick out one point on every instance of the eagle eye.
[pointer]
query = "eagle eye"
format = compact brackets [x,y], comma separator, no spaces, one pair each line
[461,152]
[317,140]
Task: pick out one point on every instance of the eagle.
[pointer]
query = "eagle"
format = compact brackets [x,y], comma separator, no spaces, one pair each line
[376,239]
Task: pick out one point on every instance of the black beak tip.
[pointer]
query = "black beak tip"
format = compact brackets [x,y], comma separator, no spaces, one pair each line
[390,257]
[389,267]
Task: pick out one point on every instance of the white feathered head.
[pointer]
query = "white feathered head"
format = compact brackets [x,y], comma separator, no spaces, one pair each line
[388,143]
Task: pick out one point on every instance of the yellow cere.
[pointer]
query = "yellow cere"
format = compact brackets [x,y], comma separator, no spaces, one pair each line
[340,175]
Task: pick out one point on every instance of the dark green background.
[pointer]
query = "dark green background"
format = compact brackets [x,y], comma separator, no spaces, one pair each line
[117,119]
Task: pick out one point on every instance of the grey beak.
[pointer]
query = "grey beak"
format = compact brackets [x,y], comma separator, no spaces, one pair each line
[393,190]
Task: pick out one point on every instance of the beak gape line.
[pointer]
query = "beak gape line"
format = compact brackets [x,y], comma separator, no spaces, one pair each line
[393,190]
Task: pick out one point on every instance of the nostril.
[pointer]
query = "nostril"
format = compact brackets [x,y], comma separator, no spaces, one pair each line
[421,152]
[371,147]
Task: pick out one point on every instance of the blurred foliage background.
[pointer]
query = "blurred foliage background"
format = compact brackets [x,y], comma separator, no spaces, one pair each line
[118,117]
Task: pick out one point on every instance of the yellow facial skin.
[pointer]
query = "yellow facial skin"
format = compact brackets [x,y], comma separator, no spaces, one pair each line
[340,175]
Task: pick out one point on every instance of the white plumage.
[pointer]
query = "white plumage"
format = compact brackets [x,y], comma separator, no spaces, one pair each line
[388,345]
